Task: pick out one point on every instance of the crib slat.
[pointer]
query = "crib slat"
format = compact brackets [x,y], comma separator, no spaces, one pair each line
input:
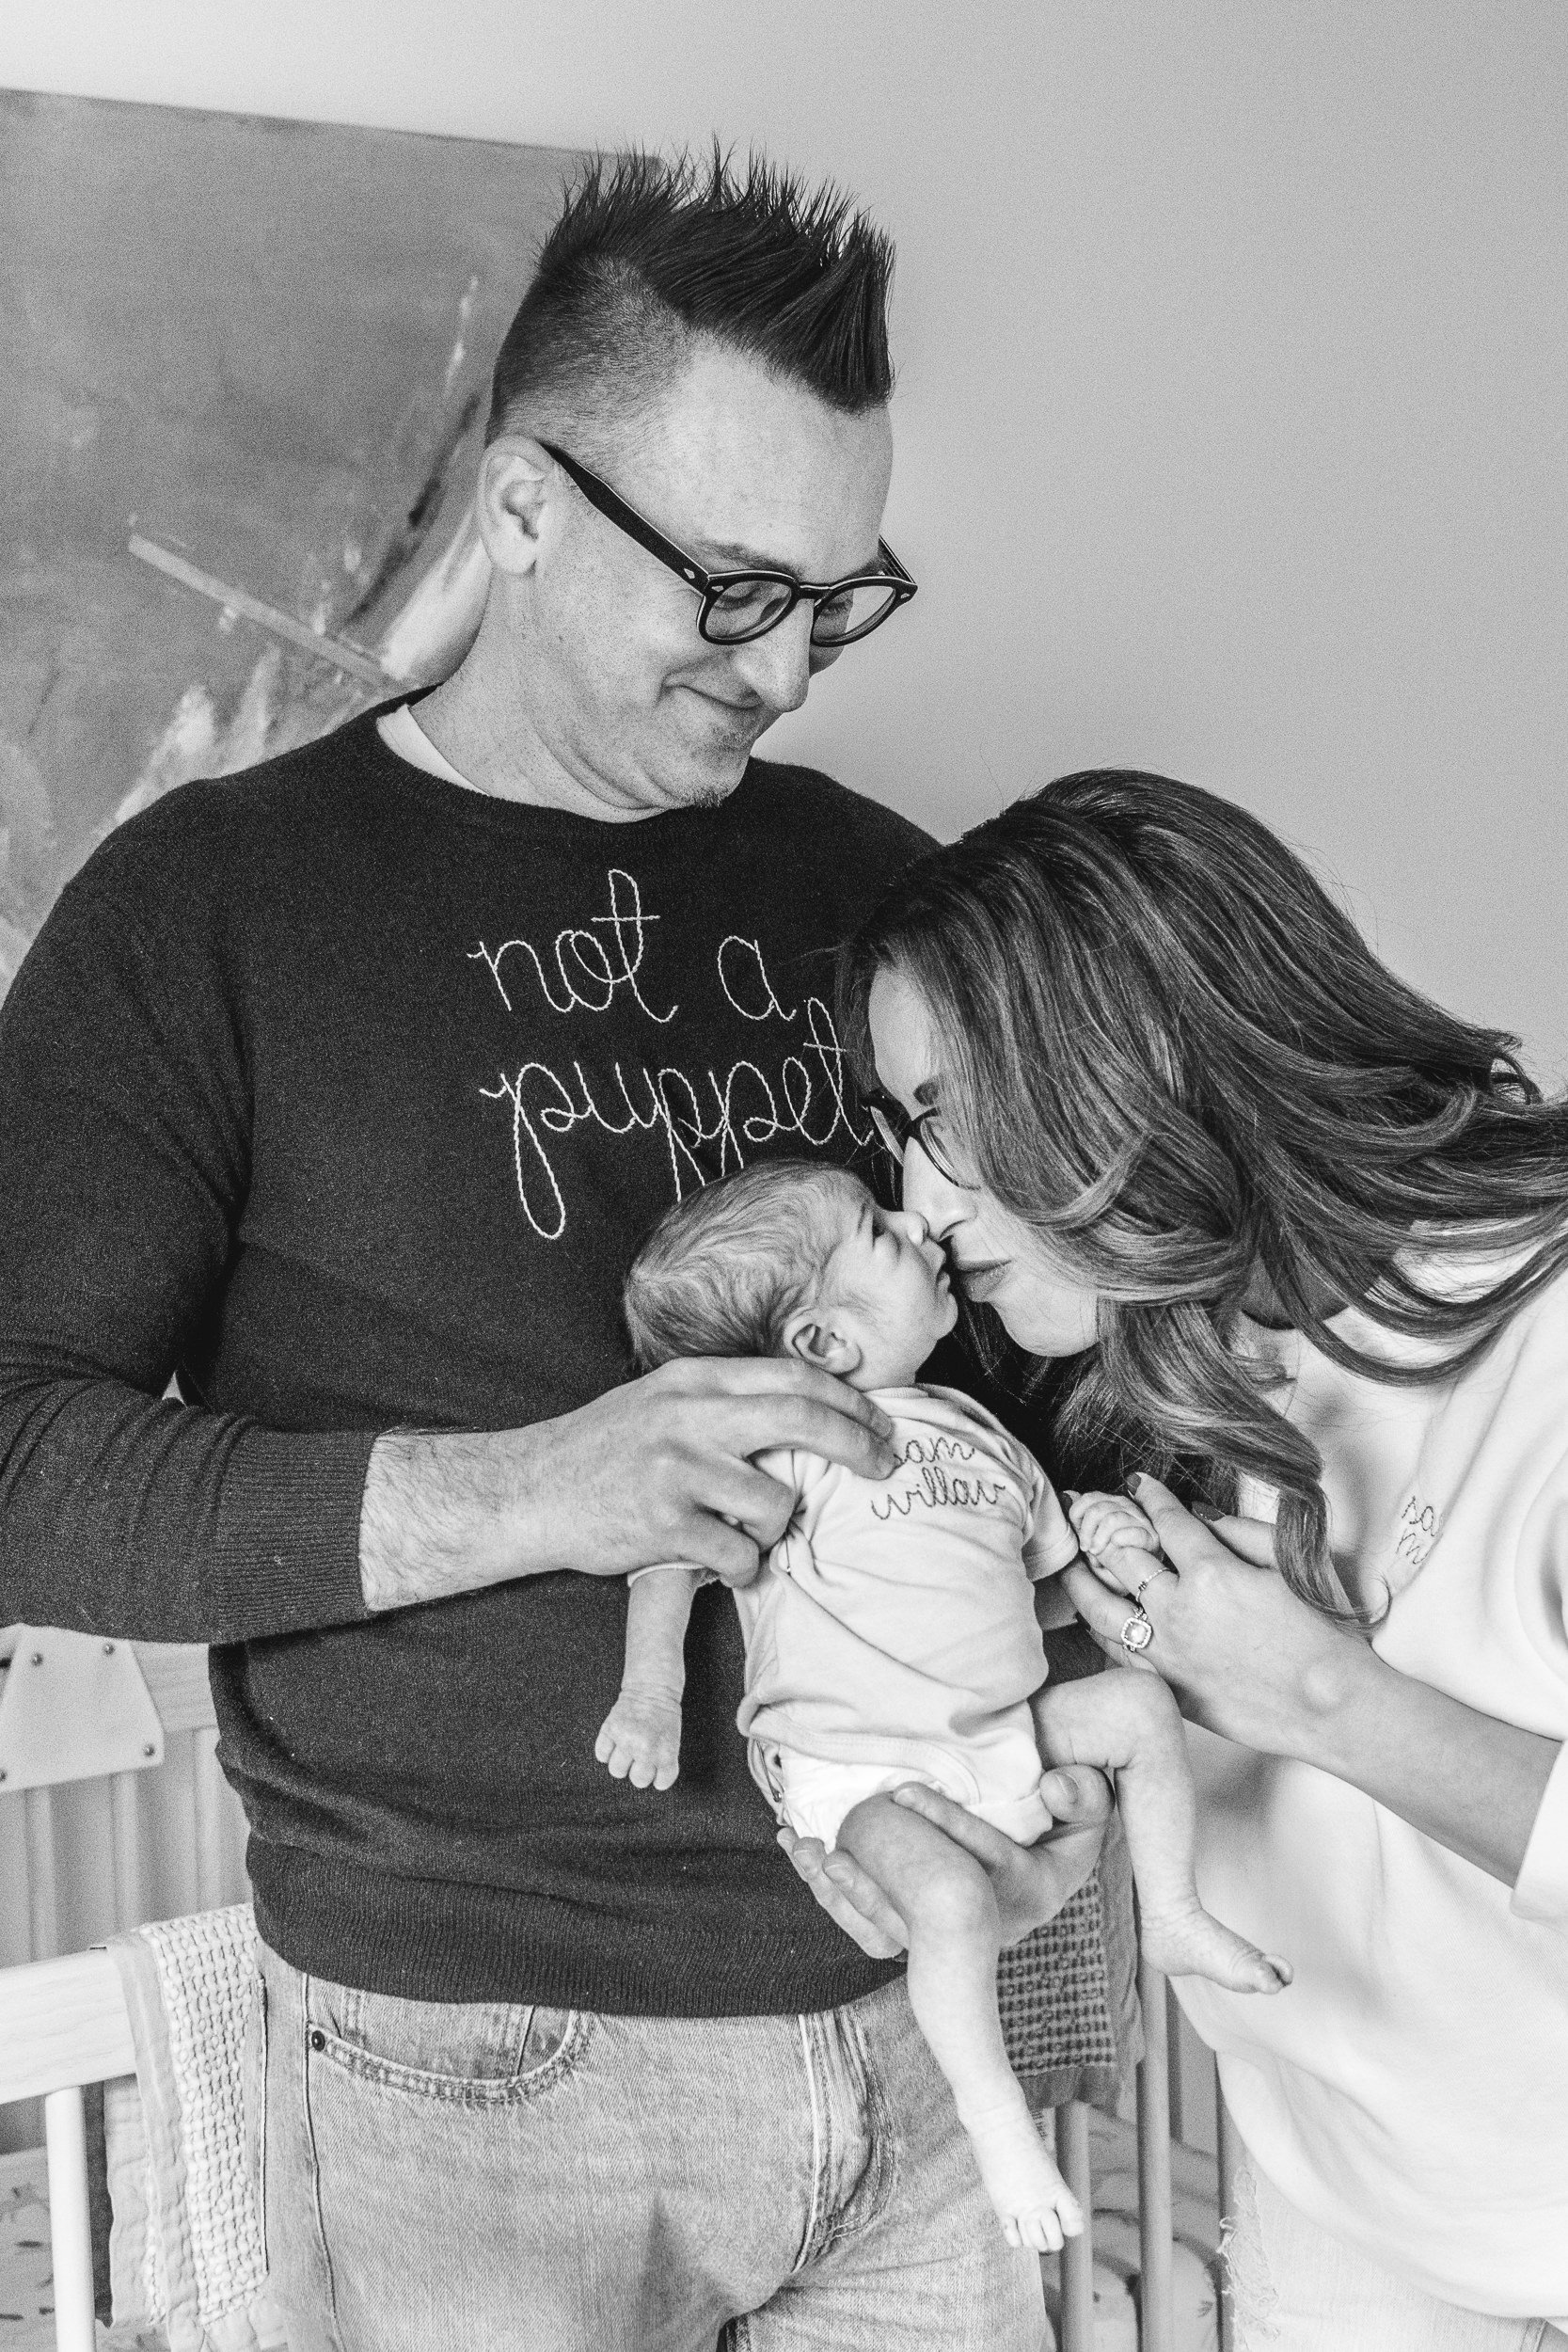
[1077,2256]
[208,1785]
[43,1909]
[125,1813]
[1156,2313]
[1227,2139]
[1174,2073]
[70,2233]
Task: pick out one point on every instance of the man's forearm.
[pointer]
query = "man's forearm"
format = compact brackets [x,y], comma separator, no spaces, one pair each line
[447,1513]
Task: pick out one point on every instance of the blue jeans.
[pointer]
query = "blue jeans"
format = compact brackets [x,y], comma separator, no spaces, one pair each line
[510,2176]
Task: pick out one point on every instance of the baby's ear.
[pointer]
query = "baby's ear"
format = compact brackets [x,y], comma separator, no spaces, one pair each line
[812,1337]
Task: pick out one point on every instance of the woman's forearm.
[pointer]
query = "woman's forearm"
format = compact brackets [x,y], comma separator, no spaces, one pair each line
[1466,1780]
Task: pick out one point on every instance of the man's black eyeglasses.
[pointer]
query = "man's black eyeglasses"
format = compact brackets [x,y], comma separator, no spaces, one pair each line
[737,606]
[896,1130]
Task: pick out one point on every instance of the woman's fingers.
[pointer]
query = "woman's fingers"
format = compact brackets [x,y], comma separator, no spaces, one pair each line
[1253,1539]
[1105,1611]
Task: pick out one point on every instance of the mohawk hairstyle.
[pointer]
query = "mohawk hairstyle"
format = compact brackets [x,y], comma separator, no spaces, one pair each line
[722,1272]
[649,254]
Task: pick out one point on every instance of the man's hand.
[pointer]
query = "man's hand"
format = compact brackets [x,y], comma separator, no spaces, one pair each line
[1031,1882]
[659,1470]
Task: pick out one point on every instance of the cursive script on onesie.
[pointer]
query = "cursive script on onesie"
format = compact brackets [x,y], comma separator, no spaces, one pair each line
[939,1486]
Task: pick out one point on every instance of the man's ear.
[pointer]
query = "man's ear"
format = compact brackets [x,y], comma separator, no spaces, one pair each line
[816,1339]
[509,505]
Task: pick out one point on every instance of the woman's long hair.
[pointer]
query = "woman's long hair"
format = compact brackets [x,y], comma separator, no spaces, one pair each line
[1169,1053]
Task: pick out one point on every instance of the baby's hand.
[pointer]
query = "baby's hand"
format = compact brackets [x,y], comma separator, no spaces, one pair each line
[640,1739]
[1105,1524]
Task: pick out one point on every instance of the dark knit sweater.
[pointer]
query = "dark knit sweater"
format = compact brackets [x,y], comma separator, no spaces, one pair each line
[346,1095]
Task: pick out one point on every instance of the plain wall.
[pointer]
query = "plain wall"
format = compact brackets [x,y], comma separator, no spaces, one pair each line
[1232,350]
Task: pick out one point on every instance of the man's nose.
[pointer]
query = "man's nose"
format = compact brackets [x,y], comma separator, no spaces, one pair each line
[777,667]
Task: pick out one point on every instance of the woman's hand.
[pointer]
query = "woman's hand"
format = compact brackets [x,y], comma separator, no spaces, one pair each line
[1250,1661]
[1031,1882]
[1241,1653]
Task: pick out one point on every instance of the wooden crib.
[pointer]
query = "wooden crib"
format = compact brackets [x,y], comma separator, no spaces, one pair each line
[114,1811]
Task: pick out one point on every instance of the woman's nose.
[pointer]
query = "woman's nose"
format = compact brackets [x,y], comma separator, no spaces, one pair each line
[939,1205]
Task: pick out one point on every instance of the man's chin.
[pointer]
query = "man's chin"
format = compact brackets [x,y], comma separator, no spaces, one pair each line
[702,780]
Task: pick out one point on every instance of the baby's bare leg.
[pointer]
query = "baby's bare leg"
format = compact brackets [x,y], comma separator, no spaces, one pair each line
[1128,1724]
[945,1898]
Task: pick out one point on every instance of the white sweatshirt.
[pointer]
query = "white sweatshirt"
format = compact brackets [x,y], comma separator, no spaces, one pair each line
[1409,2092]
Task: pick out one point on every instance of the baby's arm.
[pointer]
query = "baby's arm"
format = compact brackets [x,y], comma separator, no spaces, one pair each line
[641,1736]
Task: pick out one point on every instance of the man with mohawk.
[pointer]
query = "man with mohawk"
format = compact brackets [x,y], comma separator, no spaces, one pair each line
[343,1091]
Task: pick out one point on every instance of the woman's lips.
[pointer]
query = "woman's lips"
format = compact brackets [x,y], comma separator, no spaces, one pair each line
[978,1280]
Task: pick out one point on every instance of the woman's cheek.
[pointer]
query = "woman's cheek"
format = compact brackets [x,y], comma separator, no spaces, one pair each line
[1045,1321]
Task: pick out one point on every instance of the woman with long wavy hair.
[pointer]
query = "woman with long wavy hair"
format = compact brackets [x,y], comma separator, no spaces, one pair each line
[1297,1241]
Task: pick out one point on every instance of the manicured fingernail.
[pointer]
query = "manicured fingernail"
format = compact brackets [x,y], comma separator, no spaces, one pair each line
[1207,1512]
[1070,1494]
[1132,1484]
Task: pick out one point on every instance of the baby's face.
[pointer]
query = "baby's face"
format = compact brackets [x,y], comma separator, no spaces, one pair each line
[887,1287]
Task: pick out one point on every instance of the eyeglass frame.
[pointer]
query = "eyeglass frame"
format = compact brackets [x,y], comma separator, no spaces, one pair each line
[710,586]
[898,1128]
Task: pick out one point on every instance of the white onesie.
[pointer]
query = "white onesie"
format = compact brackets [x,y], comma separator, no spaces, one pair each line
[891,1633]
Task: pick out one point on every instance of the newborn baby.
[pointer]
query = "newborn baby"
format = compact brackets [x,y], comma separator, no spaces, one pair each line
[891,1633]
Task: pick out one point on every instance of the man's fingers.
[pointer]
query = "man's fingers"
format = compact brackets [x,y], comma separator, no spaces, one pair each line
[727,1552]
[774,1377]
[1076,1794]
[815,1424]
[987,1845]
[847,1896]
[747,1497]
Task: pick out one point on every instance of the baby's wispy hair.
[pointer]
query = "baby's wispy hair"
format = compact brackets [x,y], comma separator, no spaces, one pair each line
[722,1272]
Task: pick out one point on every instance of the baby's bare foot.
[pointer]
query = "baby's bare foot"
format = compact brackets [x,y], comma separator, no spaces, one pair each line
[1189,1943]
[640,1740]
[1034,2203]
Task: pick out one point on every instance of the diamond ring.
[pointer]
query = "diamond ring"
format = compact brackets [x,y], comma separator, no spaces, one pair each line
[1137,1632]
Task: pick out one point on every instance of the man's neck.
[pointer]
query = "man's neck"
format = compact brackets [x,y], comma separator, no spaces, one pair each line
[500,750]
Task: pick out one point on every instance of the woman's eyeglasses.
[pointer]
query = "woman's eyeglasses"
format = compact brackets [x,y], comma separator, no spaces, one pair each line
[735,607]
[897,1128]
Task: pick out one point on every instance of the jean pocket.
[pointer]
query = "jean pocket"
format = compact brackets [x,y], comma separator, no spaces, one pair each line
[478,2054]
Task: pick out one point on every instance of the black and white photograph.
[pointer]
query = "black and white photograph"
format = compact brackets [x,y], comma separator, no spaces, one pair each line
[784,1176]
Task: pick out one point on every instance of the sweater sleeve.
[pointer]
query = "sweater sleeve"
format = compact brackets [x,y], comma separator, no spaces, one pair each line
[124,1153]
